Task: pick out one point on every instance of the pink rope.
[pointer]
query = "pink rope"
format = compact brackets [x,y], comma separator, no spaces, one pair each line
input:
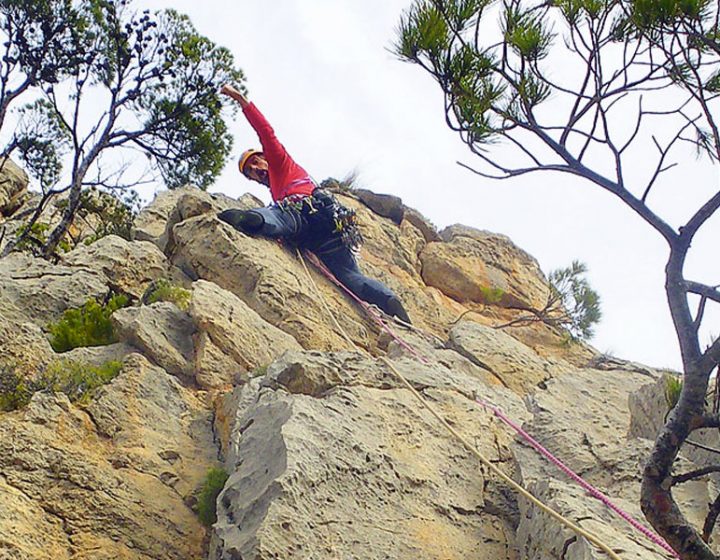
[577,478]
[369,310]
[533,442]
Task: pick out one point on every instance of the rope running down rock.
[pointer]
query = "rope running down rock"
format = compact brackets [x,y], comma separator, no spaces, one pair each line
[485,461]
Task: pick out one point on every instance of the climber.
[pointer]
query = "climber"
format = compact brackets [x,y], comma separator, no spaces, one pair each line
[303,213]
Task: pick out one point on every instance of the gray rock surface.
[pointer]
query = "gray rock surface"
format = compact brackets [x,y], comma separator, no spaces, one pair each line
[479,266]
[108,482]
[386,205]
[583,419]
[514,364]
[235,329]
[329,455]
[40,291]
[331,458]
[162,332]
[13,186]
[128,267]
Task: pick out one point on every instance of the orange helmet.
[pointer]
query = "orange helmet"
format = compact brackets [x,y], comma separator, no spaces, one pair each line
[246,155]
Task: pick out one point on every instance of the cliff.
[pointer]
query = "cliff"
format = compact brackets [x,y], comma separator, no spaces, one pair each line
[329,456]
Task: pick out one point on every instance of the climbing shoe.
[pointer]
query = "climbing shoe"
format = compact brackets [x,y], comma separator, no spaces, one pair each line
[246,221]
[395,307]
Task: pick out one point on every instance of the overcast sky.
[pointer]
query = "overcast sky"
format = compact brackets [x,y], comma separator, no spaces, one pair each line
[323,74]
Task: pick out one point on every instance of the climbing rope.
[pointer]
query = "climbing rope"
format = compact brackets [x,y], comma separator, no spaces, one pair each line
[577,478]
[324,303]
[484,460]
[652,536]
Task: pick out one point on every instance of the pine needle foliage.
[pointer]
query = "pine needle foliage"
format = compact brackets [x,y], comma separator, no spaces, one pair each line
[613,92]
[576,303]
[88,325]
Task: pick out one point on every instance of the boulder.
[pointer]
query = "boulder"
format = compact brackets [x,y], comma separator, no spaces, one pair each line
[154,223]
[23,347]
[425,226]
[13,186]
[162,332]
[385,205]
[128,267]
[40,291]
[242,340]
[213,368]
[477,266]
[515,365]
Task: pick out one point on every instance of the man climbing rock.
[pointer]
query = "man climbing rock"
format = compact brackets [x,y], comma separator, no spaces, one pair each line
[302,213]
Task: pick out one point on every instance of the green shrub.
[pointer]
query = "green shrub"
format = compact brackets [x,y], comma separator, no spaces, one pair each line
[36,238]
[673,387]
[14,390]
[77,380]
[347,183]
[88,325]
[164,290]
[207,501]
[114,212]
[259,371]
[491,296]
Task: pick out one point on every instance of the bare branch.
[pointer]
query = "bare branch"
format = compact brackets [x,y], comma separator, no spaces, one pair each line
[692,475]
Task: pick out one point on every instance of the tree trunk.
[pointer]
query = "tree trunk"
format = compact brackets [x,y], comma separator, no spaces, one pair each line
[67,218]
[656,498]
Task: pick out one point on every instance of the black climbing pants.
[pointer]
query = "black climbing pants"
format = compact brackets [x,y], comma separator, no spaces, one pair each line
[315,232]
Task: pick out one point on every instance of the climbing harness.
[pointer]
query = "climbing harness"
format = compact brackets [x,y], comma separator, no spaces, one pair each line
[484,460]
[328,214]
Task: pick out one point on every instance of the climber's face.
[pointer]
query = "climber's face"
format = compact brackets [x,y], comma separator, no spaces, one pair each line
[256,169]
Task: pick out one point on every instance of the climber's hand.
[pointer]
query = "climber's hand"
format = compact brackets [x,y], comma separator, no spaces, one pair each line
[231,91]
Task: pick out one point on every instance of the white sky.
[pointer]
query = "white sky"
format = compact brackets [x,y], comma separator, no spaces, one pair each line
[323,74]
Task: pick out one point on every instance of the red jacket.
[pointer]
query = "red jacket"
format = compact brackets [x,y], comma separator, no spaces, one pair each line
[286,176]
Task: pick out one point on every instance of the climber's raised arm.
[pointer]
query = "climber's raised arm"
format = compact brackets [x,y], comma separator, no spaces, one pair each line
[230,91]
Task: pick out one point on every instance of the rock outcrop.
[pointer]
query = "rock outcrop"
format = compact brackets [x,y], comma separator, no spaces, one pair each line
[329,455]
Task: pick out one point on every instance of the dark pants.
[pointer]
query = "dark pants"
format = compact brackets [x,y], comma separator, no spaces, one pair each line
[317,235]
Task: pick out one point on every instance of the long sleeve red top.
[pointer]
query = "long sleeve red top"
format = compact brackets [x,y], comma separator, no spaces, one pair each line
[286,177]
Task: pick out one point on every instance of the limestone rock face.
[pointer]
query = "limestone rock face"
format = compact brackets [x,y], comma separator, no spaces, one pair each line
[162,332]
[268,278]
[40,291]
[478,266]
[334,454]
[13,186]
[24,345]
[128,267]
[329,455]
[155,221]
[236,330]
[428,230]
[583,419]
[649,408]
[107,482]
[514,364]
